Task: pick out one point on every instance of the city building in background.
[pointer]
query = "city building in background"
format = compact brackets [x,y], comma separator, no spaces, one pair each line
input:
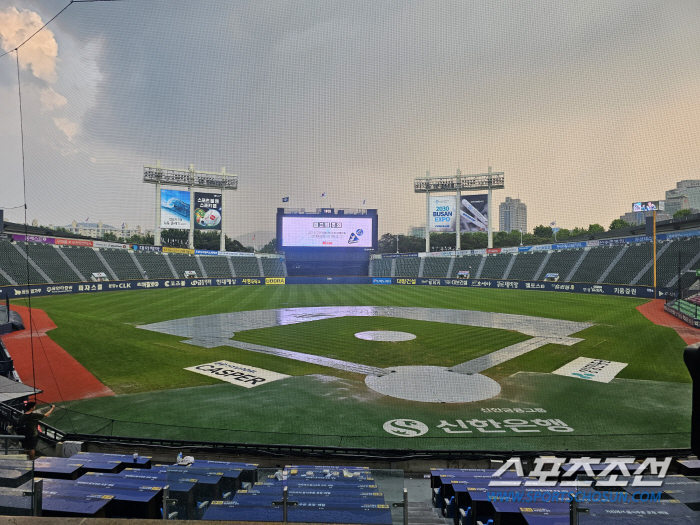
[98,229]
[635,218]
[512,215]
[416,231]
[686,195]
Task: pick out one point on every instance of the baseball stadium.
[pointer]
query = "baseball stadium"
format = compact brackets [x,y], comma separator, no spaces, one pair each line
[264,316]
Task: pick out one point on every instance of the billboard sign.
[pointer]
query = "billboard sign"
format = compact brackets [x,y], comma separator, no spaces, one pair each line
[207,211]
[648,206]
[474,213]
[174,209]
[330,232]
[443,214]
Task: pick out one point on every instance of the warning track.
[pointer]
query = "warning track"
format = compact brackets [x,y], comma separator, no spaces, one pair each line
[654,311]
[58,374]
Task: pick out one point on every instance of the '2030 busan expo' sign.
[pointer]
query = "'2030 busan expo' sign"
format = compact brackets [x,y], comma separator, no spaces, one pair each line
[18,292]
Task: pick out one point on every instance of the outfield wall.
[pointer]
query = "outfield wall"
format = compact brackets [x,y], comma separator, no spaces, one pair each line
[17,292]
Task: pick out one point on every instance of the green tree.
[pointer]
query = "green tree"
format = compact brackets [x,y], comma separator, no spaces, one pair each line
[270,247]
[682,213]
[474,240]
[233,245]
[387,243]
[618,224]
[111,237]
[563,233]
[140,239]
[595,228]
[578,232]
[543,232]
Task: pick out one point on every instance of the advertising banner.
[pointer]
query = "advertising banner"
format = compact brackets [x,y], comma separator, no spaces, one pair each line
[111,245]
[598,370]
[443,214]
[236,373]
[648,206]
[207,211]
[174,209]
[36,238]
[74,242]
[237,254]
[336,232]
[598,289]
[186,251]
[474,213]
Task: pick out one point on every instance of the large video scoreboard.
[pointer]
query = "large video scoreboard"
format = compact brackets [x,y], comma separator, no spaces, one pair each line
[329,229]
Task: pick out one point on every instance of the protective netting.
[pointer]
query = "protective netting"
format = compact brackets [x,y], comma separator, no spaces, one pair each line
[585,108]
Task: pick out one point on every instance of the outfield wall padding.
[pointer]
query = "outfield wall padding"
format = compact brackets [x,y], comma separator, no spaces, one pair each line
[640,292]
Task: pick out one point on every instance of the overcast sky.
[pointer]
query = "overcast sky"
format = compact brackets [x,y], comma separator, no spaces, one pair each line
[586,106]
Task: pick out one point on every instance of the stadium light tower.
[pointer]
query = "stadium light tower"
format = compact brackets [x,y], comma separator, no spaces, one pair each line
[191,179]
[484,181]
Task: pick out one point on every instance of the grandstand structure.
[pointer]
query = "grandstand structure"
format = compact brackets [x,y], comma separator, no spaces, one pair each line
[23,262]
[623,264]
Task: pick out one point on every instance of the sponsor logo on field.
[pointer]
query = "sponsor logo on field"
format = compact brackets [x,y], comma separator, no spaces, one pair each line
[237,374]
[274,280]
[405,427]
[380,280]
[598,370]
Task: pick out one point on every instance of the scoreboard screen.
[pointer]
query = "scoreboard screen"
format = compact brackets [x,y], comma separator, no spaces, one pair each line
[329,231]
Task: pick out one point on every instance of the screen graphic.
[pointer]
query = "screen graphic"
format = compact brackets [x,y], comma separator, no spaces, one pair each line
[443,214]
[474,213]
[332,232]
[207,211]
[175,209]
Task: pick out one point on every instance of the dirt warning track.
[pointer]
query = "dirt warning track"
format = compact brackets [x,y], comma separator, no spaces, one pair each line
[654,311]
[58,374]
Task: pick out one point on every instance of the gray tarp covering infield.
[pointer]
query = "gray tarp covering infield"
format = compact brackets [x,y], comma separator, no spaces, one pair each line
[460,383]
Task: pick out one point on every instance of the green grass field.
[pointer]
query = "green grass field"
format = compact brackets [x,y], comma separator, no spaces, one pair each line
[646,406]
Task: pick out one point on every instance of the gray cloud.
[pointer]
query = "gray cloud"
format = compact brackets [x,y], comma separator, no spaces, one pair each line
[358,98]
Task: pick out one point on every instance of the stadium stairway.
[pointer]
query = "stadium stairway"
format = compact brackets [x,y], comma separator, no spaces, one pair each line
[422,513]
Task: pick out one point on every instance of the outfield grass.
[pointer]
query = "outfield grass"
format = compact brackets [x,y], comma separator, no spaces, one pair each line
[647,407]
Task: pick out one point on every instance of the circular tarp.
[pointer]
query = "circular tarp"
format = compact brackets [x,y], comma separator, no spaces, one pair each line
[433,384]
[385,335]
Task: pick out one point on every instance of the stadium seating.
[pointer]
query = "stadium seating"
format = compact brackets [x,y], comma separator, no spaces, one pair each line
[466,262]
[381,267]
[85,260]
[120,261]
[436,266]
[272,267]
[495,266]
[523,266]
[50,261]
[596,262]
[561,262]
[526,265]
[215,266]
[631,263]
[155,265]
[16,266]
[246,266]
[407,267]
[183,263]
[667,263]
